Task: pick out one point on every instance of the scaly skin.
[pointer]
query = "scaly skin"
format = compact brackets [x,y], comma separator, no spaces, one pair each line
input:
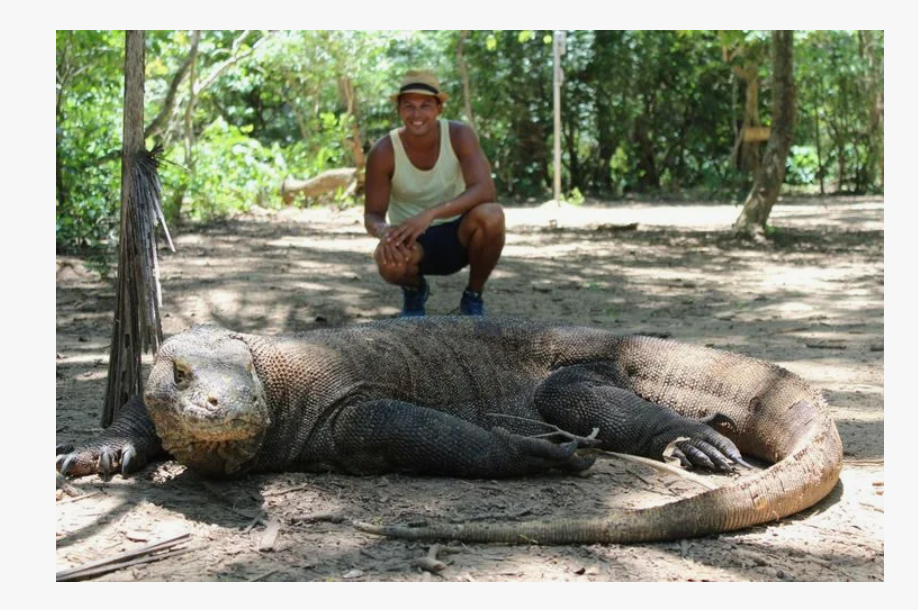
[459,397]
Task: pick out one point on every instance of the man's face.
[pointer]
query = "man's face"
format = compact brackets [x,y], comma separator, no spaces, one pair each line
[419,112]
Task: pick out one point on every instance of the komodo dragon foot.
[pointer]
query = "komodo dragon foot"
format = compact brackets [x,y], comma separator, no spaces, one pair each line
[578,398]
[125,447]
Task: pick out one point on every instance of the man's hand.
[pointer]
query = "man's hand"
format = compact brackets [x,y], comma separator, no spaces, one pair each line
[406,233]
[392,253]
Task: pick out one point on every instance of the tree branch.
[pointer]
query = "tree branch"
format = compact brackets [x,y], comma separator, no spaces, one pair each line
[233,60]
[156,126]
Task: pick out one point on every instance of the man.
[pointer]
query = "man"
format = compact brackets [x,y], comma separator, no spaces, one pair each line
[433,181]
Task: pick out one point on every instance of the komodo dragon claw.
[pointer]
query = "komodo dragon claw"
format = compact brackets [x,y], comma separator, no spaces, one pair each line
[105,461]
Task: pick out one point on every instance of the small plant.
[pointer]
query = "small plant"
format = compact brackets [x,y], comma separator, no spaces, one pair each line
[772,231]
[575,197]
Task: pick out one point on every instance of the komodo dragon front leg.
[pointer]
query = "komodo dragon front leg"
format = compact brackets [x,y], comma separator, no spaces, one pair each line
[126,446]
[366,438]
[393,436]
[582,398]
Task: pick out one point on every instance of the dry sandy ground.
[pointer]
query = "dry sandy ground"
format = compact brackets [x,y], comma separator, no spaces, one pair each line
[812,302]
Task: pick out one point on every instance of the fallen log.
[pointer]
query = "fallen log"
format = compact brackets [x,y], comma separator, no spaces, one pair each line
[326,182]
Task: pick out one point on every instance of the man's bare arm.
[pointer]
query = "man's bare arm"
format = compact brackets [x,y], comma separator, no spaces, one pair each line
[380,167]
[476,171]
[378,185]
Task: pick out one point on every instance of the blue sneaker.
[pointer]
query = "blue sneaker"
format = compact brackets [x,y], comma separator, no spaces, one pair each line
[414,299]
[471,304]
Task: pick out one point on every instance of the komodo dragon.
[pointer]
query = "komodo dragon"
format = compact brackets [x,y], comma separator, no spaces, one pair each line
[461,397]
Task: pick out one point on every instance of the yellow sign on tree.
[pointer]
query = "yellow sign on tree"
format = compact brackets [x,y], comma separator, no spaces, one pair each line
[756,134]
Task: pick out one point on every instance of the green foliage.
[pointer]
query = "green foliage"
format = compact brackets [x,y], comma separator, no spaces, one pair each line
[802,165]
[575,197]
[840,97]
[642,111]
[88,114]
[232,172]
[773,232]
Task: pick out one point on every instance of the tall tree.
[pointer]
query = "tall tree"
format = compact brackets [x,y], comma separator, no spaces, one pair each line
[744,53]
[770,175]
[466,81]
[870,50]
[137,323]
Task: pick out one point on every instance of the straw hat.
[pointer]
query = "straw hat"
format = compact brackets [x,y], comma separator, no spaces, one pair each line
[422,82]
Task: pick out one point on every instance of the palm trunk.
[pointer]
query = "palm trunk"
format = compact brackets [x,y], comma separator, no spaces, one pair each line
[137,323]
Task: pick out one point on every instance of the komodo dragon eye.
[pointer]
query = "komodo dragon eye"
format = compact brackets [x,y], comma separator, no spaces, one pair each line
[181,373]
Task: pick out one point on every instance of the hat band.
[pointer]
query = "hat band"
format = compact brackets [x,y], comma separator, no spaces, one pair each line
[416,86]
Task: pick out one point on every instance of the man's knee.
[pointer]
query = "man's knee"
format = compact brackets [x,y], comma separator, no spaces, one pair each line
[393,274]
[489,217]
[399,273]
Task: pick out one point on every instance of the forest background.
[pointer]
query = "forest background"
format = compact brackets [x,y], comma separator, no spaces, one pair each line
[656,114]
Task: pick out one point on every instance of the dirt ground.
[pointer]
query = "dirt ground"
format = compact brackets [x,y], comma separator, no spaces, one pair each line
[812,301]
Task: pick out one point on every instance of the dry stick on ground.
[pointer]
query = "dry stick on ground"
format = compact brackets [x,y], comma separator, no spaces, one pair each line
[591,440]
[78,498]
[430,563]
[66,487]
[586,441]
[230,505]
[144,554]
[632,226]
[663,466]
[492,516]
[317,518]
[262,576]
[269,537]
[826,345]
[125,564]
[279,492]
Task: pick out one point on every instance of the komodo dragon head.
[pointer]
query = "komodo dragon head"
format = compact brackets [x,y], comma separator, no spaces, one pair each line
[206,401]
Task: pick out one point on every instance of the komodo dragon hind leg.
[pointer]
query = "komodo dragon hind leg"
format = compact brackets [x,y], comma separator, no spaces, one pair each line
[126,446]
[394,436]
[583,397]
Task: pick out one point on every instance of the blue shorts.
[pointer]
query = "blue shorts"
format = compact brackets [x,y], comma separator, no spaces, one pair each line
[443,253]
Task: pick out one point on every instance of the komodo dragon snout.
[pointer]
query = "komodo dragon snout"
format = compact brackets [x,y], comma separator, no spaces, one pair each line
[206,400]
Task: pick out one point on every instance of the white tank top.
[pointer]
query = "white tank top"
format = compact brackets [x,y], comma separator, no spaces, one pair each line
[415,190]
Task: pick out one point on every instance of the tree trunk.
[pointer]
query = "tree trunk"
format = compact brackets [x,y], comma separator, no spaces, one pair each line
[770,176]
[189,140]
[137,323]
[573,159]
[819,168]
[557,80]
[63,77]
[840,152]
[749,152]
[648,178]
[746,154]
[466,84]
[62,198]
[874,96]
[354,142]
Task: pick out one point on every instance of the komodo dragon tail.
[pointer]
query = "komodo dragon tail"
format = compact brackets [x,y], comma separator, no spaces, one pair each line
[777,417]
